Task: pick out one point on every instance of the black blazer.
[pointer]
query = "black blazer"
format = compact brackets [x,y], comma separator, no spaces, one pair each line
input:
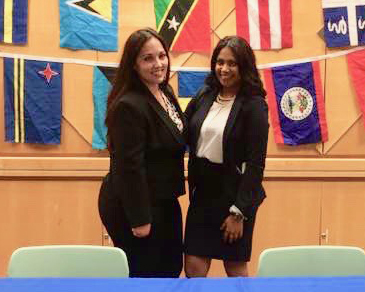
[244,141]
[147,160]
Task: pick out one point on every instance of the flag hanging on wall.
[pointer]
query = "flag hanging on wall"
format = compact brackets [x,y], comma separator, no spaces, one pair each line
[265,24]
[296,103]
[356,65]
[189,82]
[32,91]
[89,24]
[184,24]
[102,79]
[13,21]
[344,22]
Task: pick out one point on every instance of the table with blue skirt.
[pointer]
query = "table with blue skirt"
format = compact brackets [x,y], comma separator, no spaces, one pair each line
[283,284]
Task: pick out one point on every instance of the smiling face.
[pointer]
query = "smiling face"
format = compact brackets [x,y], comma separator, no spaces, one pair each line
[227,71]
[152,63]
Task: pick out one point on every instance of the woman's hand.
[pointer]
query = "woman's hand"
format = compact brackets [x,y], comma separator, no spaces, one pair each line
[142,231]
[232,229]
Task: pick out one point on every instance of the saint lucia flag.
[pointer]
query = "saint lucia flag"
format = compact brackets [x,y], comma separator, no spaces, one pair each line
[190,82]
[296,103]
[13,21]
[89,24]
[32,91]
[184,24]
[102,79]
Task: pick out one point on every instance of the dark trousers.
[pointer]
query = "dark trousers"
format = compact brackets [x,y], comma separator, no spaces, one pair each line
[157,255]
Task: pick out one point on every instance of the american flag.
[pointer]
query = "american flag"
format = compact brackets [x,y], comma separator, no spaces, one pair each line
[266,24]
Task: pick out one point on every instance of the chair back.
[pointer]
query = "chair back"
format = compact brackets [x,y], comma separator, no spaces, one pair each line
[68,261]
[312,261]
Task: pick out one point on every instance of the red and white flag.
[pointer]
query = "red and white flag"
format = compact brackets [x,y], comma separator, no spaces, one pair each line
[265,24]
[356,66]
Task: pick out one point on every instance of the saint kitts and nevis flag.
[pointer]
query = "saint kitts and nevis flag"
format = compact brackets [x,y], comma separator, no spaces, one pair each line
[296,103]
[89,24]
[13,21]
[32,93]
[184,24]
[265,24]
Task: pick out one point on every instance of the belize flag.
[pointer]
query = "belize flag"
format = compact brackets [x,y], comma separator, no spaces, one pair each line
[344,22]
[184,24]
[32,92]
[296,103]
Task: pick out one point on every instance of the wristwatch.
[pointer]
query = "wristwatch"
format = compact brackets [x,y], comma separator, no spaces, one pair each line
[237,216]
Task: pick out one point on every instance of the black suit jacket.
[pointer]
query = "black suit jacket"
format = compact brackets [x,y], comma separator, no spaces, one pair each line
[147,160]
[244,141]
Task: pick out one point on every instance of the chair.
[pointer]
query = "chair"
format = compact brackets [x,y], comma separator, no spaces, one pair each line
[68,261]
[312,261]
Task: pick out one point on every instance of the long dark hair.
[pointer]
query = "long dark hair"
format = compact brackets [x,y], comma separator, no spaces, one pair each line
[245,58]
[126,77]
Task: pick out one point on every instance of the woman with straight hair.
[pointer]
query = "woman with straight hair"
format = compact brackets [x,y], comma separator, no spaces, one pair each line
[227,138]
[138,201]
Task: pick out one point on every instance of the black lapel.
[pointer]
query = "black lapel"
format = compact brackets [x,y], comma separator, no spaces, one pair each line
[200,116]
[236,107]
[164,116]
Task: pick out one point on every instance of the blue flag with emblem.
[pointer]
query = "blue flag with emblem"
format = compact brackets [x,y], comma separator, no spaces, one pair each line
[344,23]
[296,103]
[13,21]
[189,82]
[102,79]
[32,93]
[89,24]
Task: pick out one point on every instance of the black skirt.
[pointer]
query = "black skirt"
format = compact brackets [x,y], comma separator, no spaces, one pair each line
[207,211]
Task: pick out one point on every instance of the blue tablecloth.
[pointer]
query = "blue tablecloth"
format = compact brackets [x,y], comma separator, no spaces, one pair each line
[303,284]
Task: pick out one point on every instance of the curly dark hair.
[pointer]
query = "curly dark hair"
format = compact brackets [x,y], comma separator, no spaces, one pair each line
[245,58]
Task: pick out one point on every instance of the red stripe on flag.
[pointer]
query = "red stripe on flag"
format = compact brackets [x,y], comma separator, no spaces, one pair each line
[320,100]
[274,114]
[242,20]
[286,23]
[264,20]
[195,35]
[356,66]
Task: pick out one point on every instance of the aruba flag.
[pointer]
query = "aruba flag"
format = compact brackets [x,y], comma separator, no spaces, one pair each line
[32,91]
[13,21]
[89,24]
[296,103]
[102,79]
[184,24]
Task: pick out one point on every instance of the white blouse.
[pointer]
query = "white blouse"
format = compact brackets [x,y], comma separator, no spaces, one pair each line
[210,142]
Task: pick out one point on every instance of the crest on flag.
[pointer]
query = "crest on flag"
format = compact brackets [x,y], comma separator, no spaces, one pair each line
[344,22]
[296,103]
[184,24]
[89,24]
[265,24]
[102,79]
[33,91]
[14,21]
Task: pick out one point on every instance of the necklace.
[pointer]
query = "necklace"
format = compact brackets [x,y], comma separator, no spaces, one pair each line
[224,100]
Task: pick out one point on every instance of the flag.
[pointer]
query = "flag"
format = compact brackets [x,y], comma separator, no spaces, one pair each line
[89,24]
[184,24]
[13,21]
[189,82]
[296,103]
[344,22]
[356,65]
[102,79]
[32,91]
[265,24]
